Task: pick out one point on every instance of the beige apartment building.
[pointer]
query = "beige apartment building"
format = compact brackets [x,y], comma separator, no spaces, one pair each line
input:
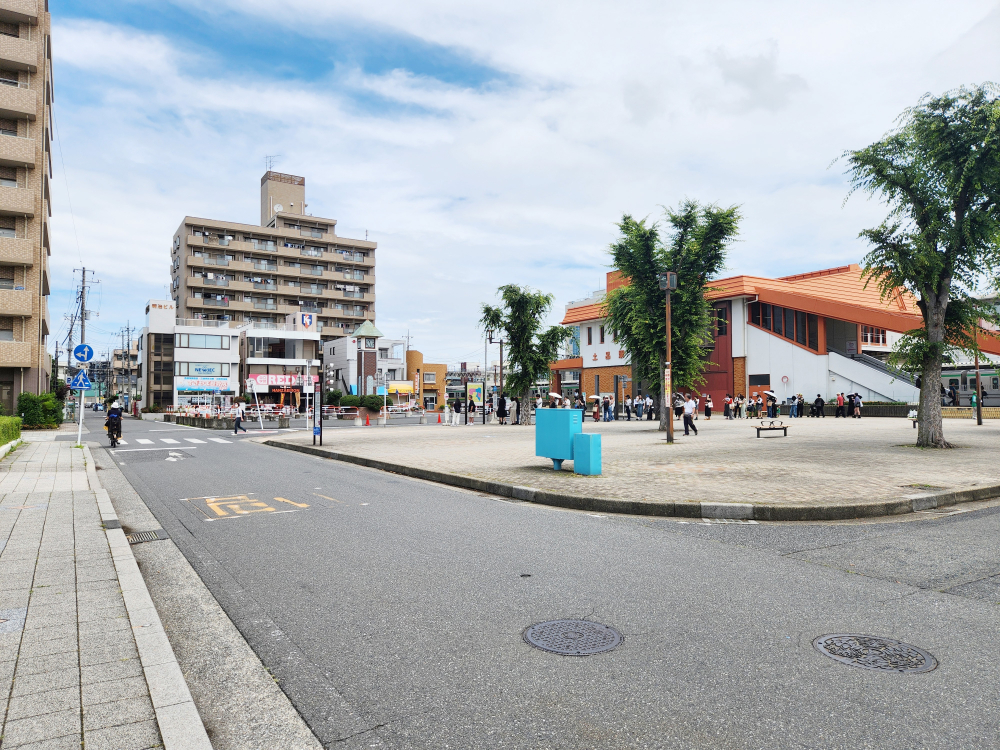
[227,274]
[25,171]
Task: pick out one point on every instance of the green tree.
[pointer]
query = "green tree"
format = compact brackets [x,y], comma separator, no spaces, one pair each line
[528,349]
[333,397]
[696,252]
[939,173]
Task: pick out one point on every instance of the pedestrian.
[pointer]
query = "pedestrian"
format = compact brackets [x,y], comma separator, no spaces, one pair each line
[597,410]
[972,403]
[793,405]
[471,412]
[517,410]
[850,404]
[538,401]
[690,406]
[840,406]
[239,416]
[456,411]
[709,405]
[727,410]
[649,408]
[982,396]
[857,405]
[819,407]
[502,408]
[628,408]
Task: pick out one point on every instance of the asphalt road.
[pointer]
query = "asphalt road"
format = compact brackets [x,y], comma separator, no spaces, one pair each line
[391,610]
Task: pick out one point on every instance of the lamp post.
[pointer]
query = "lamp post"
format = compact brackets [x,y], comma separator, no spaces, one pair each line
[979,386]
[668,281]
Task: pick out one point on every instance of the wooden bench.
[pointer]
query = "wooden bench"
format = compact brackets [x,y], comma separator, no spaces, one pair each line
[769,426]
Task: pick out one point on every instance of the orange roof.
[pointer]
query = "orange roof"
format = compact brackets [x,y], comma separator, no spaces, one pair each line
[573,363]
[584,312]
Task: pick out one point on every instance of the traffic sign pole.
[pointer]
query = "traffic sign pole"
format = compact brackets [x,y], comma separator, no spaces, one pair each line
[79,429]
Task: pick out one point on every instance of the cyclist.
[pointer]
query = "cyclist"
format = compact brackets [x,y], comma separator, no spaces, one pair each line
[114,423]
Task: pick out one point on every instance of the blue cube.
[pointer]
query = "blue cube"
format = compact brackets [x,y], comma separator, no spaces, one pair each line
[587,453]
[554,431]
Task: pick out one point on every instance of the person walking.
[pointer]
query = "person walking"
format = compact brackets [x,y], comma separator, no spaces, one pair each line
[690,406]
[793,407]
[840,406]
[456,411]
[502,409]
[472,412]
[239,416]
[819,407]
[628,408]
[857,405]
[709,405]
[727,410]
[649,408]
[638,407]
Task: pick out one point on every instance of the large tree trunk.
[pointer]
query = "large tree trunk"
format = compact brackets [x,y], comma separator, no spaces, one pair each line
[664,397]
[526,407]
[930,433]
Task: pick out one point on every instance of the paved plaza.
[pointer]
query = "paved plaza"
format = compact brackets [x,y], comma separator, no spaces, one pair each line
[821,462]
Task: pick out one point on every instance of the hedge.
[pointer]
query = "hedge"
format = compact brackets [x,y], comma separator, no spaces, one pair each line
[350,401]
[39,411]
[10,429]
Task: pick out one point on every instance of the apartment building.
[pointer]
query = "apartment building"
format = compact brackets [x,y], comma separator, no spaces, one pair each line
[292,263]
[25,170]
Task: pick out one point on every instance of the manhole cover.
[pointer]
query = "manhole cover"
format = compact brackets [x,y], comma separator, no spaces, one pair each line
[146,536]
[871,652]
[572,637]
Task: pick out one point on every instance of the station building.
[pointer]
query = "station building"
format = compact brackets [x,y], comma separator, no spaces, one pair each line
[824,332]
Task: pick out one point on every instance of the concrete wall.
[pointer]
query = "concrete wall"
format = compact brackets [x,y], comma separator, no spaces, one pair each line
[807,372]
[847,375]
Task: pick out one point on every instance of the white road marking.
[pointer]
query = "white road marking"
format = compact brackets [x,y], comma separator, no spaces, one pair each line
[170,440]
[194,440]
[144,441]
[220,440]
[121,442]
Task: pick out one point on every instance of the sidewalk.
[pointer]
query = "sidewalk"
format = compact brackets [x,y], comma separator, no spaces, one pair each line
[825,469]
[84,661]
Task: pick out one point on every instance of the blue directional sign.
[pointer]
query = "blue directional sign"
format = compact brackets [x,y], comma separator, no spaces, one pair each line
[80,382]
[316,430]
[83,352]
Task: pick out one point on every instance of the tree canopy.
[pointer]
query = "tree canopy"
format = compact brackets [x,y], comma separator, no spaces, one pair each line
[696,251]
[939,174]
[528,348]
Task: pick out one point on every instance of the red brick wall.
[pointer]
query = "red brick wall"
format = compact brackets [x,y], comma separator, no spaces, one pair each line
[739,376]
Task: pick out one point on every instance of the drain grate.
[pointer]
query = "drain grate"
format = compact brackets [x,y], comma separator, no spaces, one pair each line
[872,652]
[146,536]
[573,637]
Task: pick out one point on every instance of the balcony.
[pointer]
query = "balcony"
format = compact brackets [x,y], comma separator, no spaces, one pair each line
[16,354]
[19,54]
[16,102]
[17,201]
[209,301]
[209,282]
[354,295]
[15,302]
[16,252]
[310,252]
[20,11]
[264,246]
[312,289]
[265,266]
[265,287]
[265,306]
[312,270]
[316,233]
[310,309]
[16,151]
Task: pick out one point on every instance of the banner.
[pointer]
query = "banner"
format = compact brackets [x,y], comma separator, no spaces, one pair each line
[474,393]
[201,384]
[286,380]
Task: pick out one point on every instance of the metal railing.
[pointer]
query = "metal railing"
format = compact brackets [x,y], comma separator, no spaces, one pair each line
[310,233]
[308,308]
[264,245]
[355,295]
[214,302]
[202,323]
[211,282]
[265,306]
[876,364]
[265,266]
[312,270]
[263,285]
[313,289]
[309,252]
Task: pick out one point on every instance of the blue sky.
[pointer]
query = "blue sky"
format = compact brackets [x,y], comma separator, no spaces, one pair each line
[479,145]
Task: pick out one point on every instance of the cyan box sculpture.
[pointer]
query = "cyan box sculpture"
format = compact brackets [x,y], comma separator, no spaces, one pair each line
[554,431]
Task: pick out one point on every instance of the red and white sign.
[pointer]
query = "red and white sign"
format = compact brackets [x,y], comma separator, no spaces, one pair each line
[266,380]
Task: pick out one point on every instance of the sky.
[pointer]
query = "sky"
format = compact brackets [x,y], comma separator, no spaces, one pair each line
[479,144]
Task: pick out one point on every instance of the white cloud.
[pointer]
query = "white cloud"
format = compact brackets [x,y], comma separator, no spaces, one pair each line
[606,109]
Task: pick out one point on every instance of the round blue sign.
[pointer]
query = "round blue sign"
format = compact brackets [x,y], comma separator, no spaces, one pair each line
[83,352]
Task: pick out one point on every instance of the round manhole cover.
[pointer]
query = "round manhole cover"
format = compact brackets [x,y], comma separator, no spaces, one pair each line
[572,637]
[871,652]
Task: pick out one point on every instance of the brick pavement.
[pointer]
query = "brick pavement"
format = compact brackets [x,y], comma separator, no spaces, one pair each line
[821,462]
[70,670]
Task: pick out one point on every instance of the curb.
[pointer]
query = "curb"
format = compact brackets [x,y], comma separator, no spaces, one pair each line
[681,509]
[180,724]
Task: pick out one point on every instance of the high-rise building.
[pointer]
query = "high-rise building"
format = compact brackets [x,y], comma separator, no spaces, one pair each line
[25,170]
[225,272]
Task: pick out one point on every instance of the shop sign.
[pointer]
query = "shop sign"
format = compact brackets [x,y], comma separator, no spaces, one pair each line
[201,384]
[205,369]
[268,380]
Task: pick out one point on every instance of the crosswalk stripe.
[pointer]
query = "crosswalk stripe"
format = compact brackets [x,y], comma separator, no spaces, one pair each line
[194,440]
[169,440]
[143,441]
[121,442]
[220,440]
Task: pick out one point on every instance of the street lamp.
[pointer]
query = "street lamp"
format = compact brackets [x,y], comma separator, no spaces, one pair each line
[668,282]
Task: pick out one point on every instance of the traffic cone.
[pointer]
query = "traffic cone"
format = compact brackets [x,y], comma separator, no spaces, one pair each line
[439,418]
[367,423]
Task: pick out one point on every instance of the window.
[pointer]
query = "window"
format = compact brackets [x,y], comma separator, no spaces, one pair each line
[10,29]
[8,177]
[8,127]
[430,377]
[383,354]
[259,346]
[789,323]
[722,314]
[996,383]
[9,78]
[765,316]
[590,336]
[760,380]
[812,326]
[872,335]
[800,327]
[602,335]
[755,313]
[6,334]
[778,318]
[8,226]
[200,341]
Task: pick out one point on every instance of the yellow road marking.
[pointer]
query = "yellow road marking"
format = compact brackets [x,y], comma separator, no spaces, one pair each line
[297,505]
[330,498]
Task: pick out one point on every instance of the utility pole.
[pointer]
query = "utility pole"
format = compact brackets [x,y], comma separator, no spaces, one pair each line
[979,386]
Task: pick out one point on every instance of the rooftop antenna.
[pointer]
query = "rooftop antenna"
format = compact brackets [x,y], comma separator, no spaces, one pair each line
[270,160]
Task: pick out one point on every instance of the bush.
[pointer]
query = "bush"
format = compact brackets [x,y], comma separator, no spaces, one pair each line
[52,409]
[375,403]
[334,397]
[350,401]
[39,411]
[10,429]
